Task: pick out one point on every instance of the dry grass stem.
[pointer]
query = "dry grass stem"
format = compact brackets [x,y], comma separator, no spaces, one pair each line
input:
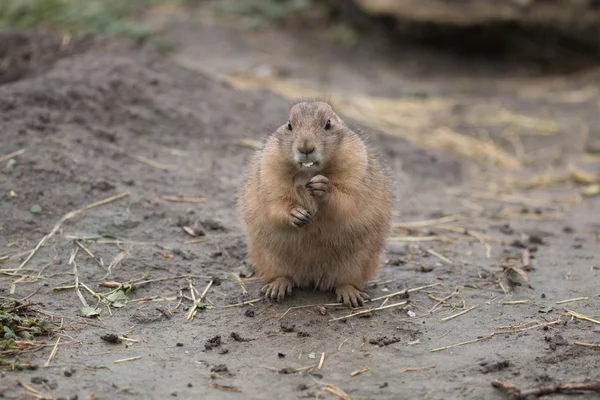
[491,335]
[194,308]
[34,392]
[514,302]
[321,361]
[369,311]
[461,344]
[581,316]
[12,155]
[181,199]
[53,353]
[572,300]
[152,163]
[441,257]
[224,387]
[417,289]
[459,314]
[250,143]
[199,240]
[92,256]
[336,391]
[416,369]
[359,371]
[432,238]
[65,218]
[116,261]
[431,222]
[240,282]
[126,359]
[76,275]
[596,346]
[248,302]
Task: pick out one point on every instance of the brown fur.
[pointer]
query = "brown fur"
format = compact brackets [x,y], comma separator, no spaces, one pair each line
[319,227]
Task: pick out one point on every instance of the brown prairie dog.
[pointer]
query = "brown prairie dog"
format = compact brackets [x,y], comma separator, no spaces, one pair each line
[316,207]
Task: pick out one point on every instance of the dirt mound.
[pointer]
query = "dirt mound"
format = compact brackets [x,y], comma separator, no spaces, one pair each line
[28,53]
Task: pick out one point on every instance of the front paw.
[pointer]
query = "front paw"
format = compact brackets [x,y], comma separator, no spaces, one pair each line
[318,186]
[300,217]
[278,289]
[351,296]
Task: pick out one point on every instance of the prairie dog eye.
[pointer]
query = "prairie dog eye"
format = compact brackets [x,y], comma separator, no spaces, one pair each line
[328,125]
[289,126]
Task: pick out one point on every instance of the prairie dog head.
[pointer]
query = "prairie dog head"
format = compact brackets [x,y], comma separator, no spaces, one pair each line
[311,135]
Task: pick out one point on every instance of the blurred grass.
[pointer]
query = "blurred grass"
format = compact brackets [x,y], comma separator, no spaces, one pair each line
[123,17]
[113,17]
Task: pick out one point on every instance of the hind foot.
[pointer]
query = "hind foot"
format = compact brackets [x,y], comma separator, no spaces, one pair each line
[351,296]
[278,289]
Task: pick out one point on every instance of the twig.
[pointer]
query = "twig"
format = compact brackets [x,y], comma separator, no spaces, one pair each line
[459,314]
[416,369]
[181,199]
[572,300]
[369,310]
[53,353]
[441,257]
[65,218]
[518,394]
[359,371]
[12,155]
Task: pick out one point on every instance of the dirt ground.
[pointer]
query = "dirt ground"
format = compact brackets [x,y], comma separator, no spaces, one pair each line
[117,118]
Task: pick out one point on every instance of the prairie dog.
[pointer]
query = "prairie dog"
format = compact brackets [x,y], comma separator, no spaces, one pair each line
[316,207]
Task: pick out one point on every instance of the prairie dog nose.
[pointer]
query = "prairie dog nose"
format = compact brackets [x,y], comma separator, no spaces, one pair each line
[306,147]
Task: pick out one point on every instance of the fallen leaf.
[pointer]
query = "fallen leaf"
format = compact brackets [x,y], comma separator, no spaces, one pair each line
[89,311]
[523,275]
